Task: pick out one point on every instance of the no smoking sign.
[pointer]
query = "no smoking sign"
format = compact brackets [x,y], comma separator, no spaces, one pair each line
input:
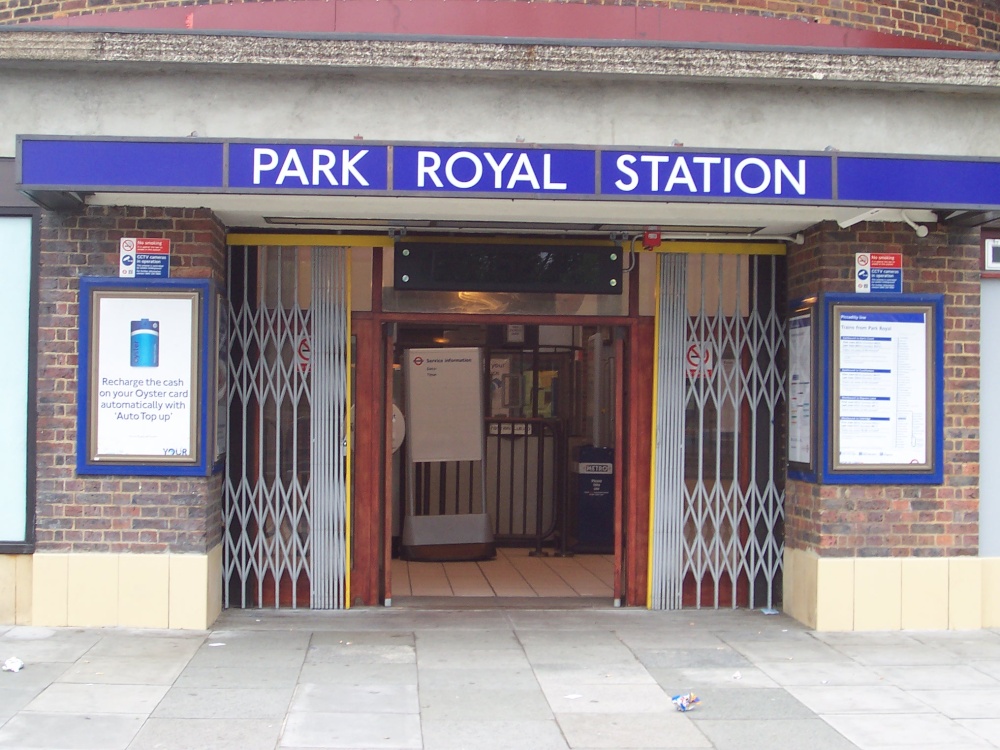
[699,361]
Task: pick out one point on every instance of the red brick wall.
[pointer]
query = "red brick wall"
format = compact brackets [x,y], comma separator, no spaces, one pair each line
[969,24]
[111,514]
[907,520]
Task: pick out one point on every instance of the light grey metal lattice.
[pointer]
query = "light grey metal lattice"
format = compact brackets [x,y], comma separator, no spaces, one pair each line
[725,548]
[285,535]
[668,435]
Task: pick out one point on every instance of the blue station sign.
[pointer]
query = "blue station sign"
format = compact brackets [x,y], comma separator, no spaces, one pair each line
[48,163]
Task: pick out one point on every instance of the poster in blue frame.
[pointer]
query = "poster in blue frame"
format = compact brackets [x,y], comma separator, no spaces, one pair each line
[144,403]
[802,390]
[883,380]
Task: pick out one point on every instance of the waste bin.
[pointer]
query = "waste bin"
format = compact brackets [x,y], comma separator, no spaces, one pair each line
[595,500]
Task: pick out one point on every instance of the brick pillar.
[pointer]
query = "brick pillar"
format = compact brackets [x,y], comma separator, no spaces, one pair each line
[895,521]
[105,518]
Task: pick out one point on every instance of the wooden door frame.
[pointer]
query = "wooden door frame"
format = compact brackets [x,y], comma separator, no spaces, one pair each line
[631,482]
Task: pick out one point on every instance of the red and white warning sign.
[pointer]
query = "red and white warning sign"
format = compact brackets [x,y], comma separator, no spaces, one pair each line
[878,272]
[144,257]
[303,353]
[699,361]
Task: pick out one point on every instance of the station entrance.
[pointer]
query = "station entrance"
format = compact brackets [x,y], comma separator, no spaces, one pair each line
[542,483]
[629,443]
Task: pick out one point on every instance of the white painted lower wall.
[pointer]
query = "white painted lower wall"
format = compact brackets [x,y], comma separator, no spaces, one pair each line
[890,593]
[175,591]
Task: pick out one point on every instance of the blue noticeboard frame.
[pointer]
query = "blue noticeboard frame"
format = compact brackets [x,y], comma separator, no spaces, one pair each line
[886,313]
[198,296]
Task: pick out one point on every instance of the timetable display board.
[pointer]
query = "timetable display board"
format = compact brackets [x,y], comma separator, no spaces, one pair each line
[883,379]
[802,391]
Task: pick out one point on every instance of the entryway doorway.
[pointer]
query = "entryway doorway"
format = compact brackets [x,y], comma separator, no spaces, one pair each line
[551,408]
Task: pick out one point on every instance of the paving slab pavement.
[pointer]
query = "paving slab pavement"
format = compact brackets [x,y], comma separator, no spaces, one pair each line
[498,679]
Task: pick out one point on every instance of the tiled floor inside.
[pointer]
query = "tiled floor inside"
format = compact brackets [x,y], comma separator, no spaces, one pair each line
[514,573]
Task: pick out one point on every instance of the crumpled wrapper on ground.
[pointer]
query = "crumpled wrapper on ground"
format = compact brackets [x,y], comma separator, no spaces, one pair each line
[685,702]
[13,664]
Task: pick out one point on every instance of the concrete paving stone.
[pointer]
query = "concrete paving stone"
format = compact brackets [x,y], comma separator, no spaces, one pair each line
[70,698]
[359,674]
[370,699]
[13,699]
[839,699]
[69,731]
[679,658]
[607,699]
[594,673]
[966,644]
[450,678]
[271,639]
[275,675]
[987,729]
[794,648]
[441,734]
[689,638]
[222,655]
[139,643]
[224,703]
[693,678]
[769,734]
[818,673]
[35,677]
[741,703]
[501,704]
[746,623]
[912,654]
[124,671]
[343,730]
[980,703]
[902,730]
[523,621]
[444,620]
[458,658]
[36,645]
[545,638]
[990,668]
[570,653]
[866,638]
[631,730]
[952,677]
[361,653]
[362,637]
[488,639]
[207,734]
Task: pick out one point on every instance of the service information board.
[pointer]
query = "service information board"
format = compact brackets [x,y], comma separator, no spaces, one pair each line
[882,387]
[800,389]
[144,384]
[444,389]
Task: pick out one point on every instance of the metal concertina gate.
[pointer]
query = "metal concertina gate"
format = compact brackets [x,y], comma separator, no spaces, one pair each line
[286,486]
[716,535]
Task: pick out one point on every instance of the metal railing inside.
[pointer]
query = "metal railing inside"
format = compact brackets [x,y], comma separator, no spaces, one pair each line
[525,482]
